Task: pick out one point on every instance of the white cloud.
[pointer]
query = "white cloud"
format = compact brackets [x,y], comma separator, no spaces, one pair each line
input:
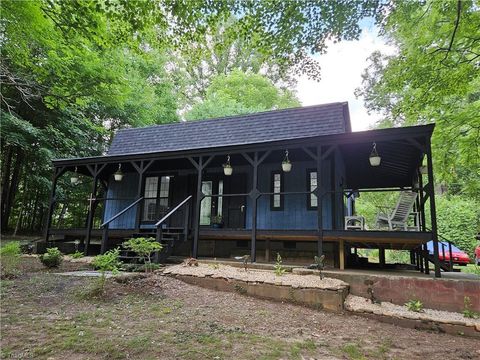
[342,67]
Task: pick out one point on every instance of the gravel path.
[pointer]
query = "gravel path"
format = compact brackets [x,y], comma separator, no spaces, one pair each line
[265,276]
[361,304]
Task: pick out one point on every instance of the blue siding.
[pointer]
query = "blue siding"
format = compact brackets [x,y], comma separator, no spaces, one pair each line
[295,214]
[127,188]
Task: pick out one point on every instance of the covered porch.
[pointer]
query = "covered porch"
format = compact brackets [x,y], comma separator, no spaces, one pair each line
[342,160]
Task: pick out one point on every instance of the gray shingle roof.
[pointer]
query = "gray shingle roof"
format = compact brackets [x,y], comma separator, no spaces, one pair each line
[262,127]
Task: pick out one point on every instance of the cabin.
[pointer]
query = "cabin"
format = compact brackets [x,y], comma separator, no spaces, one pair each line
[282,181]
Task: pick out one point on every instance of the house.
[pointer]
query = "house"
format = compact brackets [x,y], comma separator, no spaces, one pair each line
[281,180]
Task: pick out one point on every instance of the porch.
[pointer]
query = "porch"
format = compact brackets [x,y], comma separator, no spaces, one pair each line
[247,199]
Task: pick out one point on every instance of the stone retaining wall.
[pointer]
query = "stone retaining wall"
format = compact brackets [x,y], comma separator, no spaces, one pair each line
[332,300]
[441,294]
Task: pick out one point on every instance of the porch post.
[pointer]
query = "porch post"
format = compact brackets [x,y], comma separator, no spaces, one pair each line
[381,256]
[56,175]
[425,258]
[196,216]
[91,209]
[320,202]
[254,197]
[433,211]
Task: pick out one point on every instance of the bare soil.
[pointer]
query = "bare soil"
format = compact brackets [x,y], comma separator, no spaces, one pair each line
[47,316]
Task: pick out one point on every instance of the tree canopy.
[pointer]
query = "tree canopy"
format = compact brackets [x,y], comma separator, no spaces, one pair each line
[241,93]
[433,77]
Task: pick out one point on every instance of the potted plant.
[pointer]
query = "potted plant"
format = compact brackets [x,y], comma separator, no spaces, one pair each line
[217,221]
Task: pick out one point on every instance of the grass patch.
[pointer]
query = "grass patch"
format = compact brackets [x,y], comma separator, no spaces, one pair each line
[353,351]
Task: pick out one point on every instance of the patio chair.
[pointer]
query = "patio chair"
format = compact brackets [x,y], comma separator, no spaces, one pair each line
[397,218]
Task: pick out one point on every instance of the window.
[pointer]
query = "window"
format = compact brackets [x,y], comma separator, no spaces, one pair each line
[156,197]
[312,201]
[150,195]
[276,201]
[206,204]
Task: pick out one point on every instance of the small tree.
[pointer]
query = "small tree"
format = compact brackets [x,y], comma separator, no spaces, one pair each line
[106,262]
[10,259]
[143,247]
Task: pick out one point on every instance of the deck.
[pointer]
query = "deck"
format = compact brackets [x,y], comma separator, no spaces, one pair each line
[399,240]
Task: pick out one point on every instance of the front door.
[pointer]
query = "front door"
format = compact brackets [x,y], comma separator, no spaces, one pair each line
[156,197]
[235,206]
[231,209]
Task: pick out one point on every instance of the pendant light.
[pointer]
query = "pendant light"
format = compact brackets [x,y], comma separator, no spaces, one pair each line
[286,164]
[118,175]
[74,177]
[374,158]
[227,167]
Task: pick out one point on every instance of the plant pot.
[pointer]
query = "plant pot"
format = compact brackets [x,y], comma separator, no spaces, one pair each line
[217,226]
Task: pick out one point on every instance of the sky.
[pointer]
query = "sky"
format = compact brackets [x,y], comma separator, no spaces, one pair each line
[341,70]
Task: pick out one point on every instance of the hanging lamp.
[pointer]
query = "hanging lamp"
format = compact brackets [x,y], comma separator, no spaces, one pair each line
[374,158]
[227,167]
[286,164]
[118,175]
[74,177]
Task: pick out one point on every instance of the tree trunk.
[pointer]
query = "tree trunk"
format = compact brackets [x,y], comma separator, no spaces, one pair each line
[7,164]
[12,190]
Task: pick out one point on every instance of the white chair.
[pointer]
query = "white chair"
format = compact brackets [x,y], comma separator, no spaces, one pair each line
[397,218]
[354,223]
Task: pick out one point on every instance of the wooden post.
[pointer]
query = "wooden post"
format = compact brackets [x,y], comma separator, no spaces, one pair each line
[450,255]
[57,173]
[418,259]
[319,193]
[254,197]
[433,210]
[425,258]
[341,252]
[267,250]
[412,257]
[91,210]
[196,217]
[381,257]
[103,247]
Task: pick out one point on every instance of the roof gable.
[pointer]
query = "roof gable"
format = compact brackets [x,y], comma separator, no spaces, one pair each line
[287,124]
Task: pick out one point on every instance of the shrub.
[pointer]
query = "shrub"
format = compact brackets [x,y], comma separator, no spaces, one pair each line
[279,269]
[103,263]
[10,259]
[144,248]
[52,258]
[414,305]
[77,255]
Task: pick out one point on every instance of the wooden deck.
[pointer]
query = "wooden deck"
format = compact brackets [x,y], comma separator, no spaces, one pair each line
[400,240]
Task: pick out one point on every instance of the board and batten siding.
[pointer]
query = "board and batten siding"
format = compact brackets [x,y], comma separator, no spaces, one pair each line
[126,190]
[295,214]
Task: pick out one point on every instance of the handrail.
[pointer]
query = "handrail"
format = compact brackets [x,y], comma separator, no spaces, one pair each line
[122,212]
[172,211]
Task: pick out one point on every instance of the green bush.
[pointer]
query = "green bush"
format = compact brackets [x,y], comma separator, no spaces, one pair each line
[52,258]
[77,255]
[10,259]
[458,220]
[144,248]
[103,263]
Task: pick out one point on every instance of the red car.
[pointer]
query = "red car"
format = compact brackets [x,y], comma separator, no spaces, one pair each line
[458,256]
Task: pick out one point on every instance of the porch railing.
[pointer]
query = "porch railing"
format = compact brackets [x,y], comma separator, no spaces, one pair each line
[159,228]
[106,224]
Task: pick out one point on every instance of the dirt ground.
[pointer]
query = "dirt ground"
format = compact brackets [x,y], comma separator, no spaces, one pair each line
[49,316]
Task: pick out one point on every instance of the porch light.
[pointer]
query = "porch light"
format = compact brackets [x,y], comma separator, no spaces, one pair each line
[74,177]
[118,175]
[227,168]
[374,158]
[286,164]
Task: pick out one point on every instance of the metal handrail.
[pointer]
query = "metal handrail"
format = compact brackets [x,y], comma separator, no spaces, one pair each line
[172,211]
[122,212]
